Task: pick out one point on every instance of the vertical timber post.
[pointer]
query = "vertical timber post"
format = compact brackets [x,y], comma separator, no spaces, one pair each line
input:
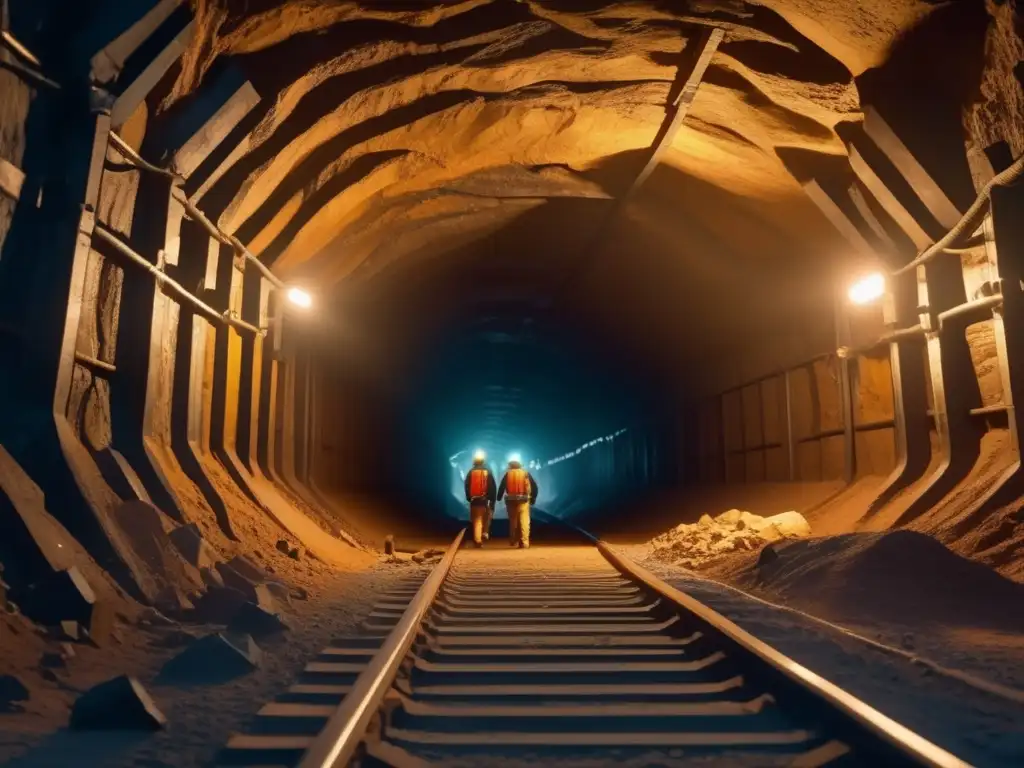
[846,386]
[787,385]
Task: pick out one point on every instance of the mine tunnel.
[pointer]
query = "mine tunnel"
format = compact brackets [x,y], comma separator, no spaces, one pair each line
[271,273]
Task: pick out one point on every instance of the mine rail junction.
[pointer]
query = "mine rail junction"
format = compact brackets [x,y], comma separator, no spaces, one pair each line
[527,663]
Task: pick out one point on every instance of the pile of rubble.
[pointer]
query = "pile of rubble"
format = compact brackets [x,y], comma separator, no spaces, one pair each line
[710,538]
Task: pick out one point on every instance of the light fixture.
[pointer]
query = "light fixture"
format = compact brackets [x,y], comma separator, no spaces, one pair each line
[515,457]
[867,289]
[300,298]
[479,455]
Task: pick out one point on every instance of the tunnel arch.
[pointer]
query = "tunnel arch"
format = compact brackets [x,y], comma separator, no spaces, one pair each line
[453,184]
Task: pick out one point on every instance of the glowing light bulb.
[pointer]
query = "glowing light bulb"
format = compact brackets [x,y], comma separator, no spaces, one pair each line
[867,289]
[300,298]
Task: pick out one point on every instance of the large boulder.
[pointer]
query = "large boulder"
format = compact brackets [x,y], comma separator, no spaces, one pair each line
[121,704]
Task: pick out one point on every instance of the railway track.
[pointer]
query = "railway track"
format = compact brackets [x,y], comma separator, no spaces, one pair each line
[494,660]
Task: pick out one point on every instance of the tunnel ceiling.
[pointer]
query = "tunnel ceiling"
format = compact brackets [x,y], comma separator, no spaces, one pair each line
[427,166]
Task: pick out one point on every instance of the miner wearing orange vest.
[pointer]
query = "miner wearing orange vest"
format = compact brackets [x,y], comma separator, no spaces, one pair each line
[480,493]
[520,491]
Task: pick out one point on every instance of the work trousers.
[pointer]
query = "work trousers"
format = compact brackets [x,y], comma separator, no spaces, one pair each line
[480,522]
[518,522]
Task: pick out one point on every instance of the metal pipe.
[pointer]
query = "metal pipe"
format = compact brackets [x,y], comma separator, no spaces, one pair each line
[190,208]
[886,338]
[986,410]
[226,317]
[135,158]
[94,362]
[975,305]
[339,739]
[15,45]
[971,220]
[218,234]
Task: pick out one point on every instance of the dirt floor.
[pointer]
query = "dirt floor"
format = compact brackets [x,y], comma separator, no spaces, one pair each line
[201,718]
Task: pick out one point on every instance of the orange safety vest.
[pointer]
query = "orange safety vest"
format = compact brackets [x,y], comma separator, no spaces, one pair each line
[477,483]
[517,485]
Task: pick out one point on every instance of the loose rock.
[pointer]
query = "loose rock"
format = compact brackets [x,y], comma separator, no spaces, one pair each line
[389,545]
[189,541]
[280,591]
[253,620]
[220,604]
[283,547]
[176,638]
[710,538]
[12,693]
[213,659]
[67,596]
[118,704]
[211,577]
[294,554]
[52,660]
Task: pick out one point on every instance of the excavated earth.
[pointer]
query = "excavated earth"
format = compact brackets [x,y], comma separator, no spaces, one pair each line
[393,139]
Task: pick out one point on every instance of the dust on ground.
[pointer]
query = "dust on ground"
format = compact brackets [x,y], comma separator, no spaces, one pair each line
[201,718]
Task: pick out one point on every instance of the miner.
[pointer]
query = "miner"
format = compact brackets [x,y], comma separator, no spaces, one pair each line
[520,491]
[481,494]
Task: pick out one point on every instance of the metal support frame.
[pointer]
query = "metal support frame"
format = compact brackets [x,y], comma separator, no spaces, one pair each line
[940,288]
[1004,245]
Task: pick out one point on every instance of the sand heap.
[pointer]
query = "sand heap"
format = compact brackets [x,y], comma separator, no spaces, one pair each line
[697,544]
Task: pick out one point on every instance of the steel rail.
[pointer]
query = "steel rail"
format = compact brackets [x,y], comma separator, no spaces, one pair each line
[337,743]
[858,718]
[895,740]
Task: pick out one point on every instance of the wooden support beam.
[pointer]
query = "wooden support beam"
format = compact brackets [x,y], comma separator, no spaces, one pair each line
[881,192]
[12,178]
[910,403]
[843,335]
[218,109]
[1004,244]
[940,286]
[790,442]
[931,194]
[691,73]
[706,45]
[130,98]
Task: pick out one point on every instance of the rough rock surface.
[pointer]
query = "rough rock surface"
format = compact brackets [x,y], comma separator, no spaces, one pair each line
[406,135]
[710,538]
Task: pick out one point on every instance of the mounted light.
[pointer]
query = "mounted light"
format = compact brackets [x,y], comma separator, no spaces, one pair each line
[479,456]
[515,457]
[300,298]
[867,289]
